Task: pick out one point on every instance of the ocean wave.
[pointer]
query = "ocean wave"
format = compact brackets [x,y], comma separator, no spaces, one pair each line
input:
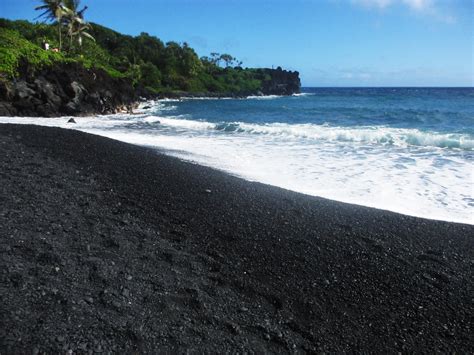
[304,94]
[263,97]
[168,100]
[440,140]
[186,124]
[369,135]
[376,135]
[197,98]
[152,119]
[312,159]
[400,137]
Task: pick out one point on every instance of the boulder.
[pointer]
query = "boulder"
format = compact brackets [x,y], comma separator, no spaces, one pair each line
[6,91]
[46,109]
[23,91]
[7,109]
[46,91]
[65,89]
[78,90]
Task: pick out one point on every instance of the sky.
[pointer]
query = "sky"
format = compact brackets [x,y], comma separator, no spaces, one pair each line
[330,42]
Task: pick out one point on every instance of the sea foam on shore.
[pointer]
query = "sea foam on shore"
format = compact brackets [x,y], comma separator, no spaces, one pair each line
[403,150]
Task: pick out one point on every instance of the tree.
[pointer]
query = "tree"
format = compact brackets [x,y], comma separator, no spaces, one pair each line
[78,28]
[73,5]
[190,63]
[76,25]
[150,75]
[216,58]
[227,58]
[53,10]
[67,13]
[150,49]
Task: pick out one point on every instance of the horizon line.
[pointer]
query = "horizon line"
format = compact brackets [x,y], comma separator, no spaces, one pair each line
[387,87]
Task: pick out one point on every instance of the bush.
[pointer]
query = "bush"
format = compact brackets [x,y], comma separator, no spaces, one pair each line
[150,75]
[145,59]
[15,50]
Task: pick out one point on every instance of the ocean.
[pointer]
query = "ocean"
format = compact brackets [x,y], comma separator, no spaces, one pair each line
[407,150]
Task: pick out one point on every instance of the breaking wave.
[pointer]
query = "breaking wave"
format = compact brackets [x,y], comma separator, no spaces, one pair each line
[371,135]
[375,147]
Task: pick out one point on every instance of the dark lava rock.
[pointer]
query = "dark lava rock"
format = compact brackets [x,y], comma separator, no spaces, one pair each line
[282,82]
[65,89]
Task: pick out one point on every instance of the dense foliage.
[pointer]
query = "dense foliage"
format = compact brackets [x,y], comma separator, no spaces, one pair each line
[14,49]
[145,59]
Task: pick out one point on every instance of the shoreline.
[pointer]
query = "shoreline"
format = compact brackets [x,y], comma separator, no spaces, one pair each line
[188,156]
[121,248]
[71,89]
[170,152]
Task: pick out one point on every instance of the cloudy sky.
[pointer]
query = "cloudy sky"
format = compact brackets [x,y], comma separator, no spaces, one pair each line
[331,42]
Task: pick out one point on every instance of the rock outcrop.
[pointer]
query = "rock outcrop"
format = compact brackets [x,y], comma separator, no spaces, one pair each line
[66,89]
[282,82]
[71,89]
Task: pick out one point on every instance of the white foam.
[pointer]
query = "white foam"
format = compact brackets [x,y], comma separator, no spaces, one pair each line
[208,98]
[152,119]
[373,135]
[186,124]
[168,100]
[386,180]
[304,94]
[263,97]
[399,170]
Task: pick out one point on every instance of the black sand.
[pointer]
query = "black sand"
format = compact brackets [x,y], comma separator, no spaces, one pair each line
[107,247]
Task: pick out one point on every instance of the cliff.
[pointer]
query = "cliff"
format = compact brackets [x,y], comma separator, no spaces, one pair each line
[65,89]
[107,75]
[72,89]
[282,82]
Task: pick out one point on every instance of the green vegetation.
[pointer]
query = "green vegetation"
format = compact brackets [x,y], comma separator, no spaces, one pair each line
[66,13]
[15,49]
[145,60]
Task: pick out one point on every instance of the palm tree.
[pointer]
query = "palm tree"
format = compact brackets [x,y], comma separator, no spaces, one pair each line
[73,5]
[215,58]
[53,10]
[227,58]
[78,27]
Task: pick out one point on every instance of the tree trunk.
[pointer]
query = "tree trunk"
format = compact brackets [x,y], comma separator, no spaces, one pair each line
[60,39]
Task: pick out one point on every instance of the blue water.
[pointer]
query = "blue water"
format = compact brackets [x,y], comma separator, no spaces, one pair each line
[441,110]
[408,150]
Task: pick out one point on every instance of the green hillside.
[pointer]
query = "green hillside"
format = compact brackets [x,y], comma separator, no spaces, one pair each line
[148,62]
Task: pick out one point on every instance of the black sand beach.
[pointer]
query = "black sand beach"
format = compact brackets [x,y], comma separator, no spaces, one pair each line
[110,247]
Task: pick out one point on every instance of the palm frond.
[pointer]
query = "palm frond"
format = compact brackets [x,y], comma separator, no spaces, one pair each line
[88,35]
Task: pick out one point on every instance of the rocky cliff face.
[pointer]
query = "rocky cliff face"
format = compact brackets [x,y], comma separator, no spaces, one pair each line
[282,82]
[71,89]
[68,89]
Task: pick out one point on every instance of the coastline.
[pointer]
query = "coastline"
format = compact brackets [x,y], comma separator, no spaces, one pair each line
[70,89]
[125,249]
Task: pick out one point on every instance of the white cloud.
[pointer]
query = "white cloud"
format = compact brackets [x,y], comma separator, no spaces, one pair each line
[373,3]
[418,5]
[355,75]
[426,7]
